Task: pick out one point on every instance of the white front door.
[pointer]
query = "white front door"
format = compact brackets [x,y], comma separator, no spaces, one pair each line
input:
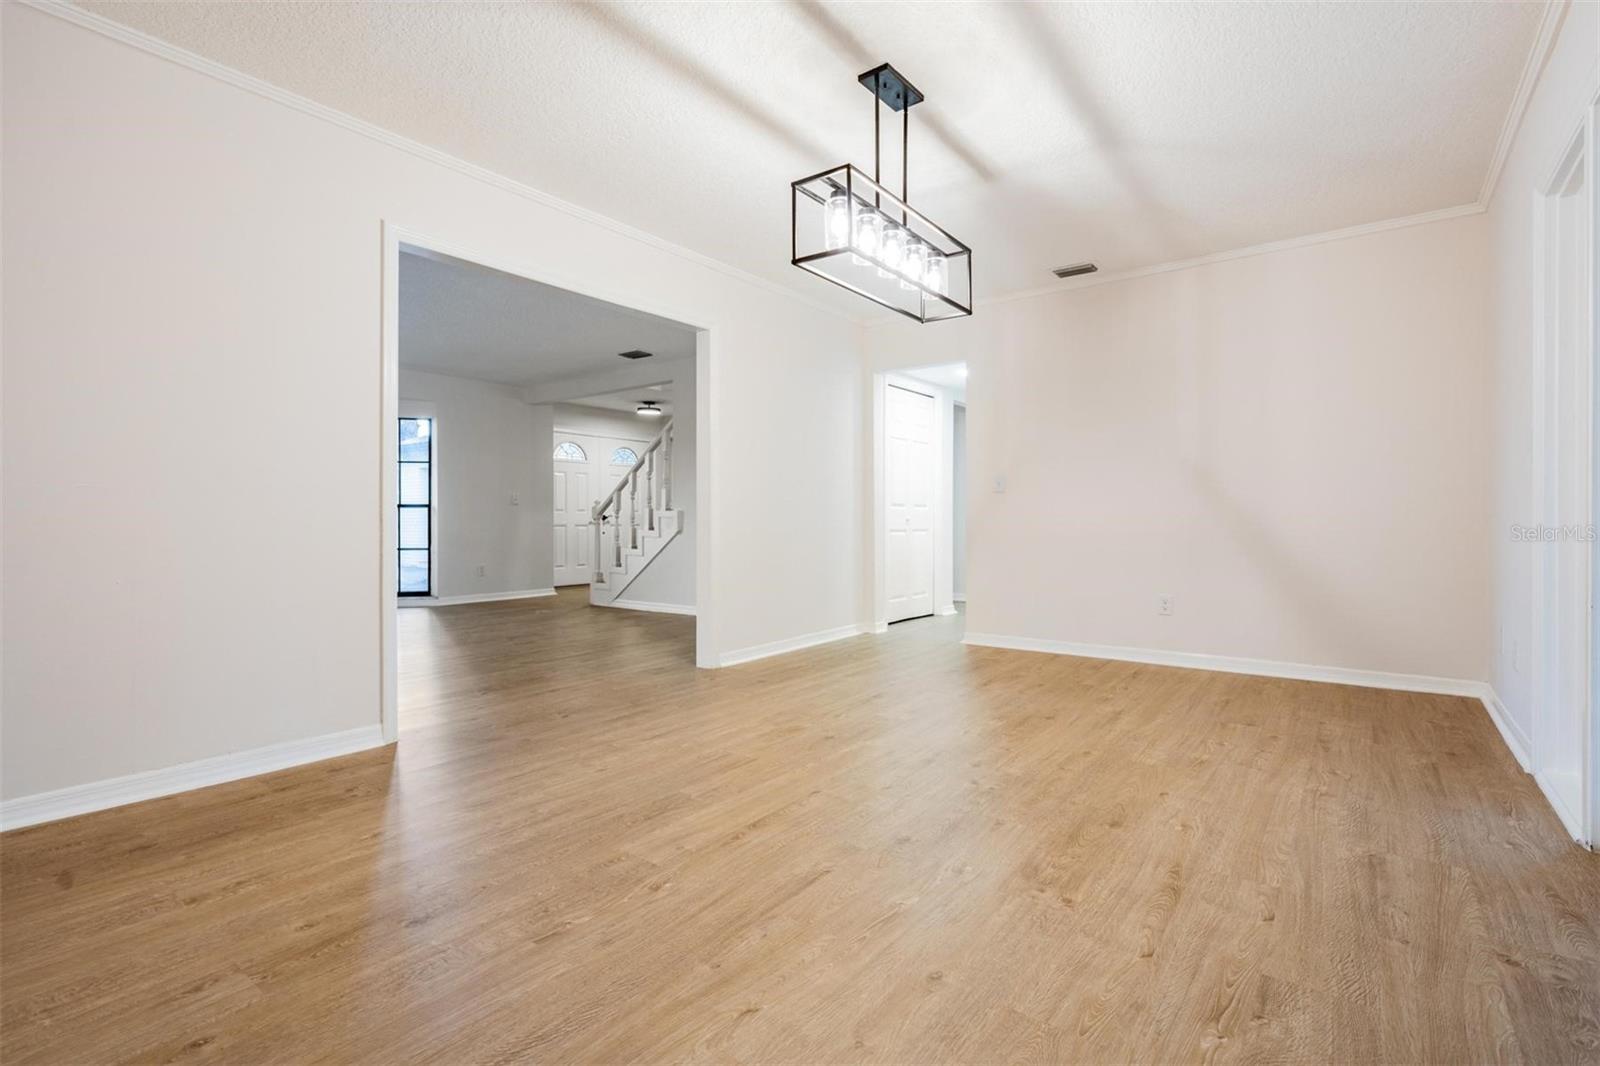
[909,463]
[575,492]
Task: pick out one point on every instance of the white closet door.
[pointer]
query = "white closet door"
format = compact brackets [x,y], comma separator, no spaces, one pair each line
[909,468]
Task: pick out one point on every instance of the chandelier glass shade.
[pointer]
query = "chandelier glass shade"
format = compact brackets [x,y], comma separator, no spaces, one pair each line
[853,231]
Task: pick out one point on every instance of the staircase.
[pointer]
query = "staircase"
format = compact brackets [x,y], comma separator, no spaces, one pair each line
[630,527]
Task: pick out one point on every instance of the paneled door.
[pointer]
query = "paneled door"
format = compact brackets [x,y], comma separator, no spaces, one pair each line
[909,462]
[575,488]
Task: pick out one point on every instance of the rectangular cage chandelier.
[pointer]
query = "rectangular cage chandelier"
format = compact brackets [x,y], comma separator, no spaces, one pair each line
[851,230]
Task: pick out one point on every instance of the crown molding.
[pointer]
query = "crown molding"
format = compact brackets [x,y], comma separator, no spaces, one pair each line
[1089,281]
[1544,43]
[144,42]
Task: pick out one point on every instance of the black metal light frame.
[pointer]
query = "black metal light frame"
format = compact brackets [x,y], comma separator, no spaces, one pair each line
[889,87]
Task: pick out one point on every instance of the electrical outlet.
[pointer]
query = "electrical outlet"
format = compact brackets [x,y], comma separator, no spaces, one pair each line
[515,499]
[480,571]
[999,483]
[1164,604]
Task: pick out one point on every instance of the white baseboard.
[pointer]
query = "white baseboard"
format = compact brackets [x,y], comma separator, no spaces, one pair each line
[645,605]
[780,647]
[1510,732]
[1569,818]
[477,597]
[945,612]
[152,784]
[1515,740]
[960,597]
[1338,675]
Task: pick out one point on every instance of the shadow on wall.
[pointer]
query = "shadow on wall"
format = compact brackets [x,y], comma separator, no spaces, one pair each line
[1295,578]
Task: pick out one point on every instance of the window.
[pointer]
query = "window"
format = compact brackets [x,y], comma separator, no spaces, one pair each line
[570,452]
[624,457]
[416,506]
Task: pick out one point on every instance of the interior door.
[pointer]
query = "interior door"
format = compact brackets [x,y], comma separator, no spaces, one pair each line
[574,494]
[1562,714]
[909,463]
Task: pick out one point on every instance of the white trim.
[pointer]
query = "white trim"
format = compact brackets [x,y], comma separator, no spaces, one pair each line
[1510,732]
[477,597]
[1544,42]
[1576,151]
[152,784]
[1569,819]
[1365,229]
[1513,736]
[958,597]
[646,605]
[1337,675]
[707,435]
[781,647]
[249,83]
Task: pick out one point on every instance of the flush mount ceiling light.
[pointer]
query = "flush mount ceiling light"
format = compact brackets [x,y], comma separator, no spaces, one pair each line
[849,229]
[648,408]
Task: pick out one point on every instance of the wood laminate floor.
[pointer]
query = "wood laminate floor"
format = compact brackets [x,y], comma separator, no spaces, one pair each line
[887,849]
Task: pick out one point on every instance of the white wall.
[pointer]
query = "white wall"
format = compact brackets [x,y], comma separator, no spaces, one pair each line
[1292,445]
[488,448]
[191,264]
[1564,91]
[601,422]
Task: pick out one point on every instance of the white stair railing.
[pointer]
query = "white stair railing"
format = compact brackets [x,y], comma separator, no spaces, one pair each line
[610,508]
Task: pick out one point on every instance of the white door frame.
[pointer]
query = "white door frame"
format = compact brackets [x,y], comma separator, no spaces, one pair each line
[1584,822]
[943,566]
[706,426]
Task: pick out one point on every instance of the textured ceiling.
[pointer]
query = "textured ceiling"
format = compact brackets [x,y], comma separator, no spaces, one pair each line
[468,320]
[1128,134]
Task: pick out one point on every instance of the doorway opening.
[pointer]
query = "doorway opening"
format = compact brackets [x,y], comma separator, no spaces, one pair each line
[919,493]
[1564,742]
[540,455]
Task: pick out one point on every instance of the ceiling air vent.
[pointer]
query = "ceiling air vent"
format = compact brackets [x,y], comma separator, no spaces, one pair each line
[635,354]
[1074,270]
